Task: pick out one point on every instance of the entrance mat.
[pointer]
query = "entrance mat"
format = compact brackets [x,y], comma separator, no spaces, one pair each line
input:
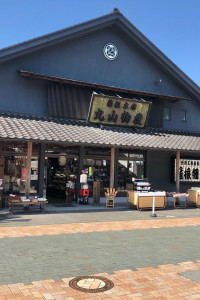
[91,284]
[193,275]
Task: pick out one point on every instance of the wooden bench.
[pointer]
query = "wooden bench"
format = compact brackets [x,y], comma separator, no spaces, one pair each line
[17,201]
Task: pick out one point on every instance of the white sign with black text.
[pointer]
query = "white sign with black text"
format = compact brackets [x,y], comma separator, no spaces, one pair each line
[189,170]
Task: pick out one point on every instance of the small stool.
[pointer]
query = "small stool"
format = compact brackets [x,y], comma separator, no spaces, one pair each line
[110,201]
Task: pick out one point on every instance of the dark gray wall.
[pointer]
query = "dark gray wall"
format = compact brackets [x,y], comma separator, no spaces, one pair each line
[19,94]
[159,170]
[193,121]
[83,59]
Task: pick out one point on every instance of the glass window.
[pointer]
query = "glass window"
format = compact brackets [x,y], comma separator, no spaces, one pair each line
[167,113]
[98,169]
[184,115]
[130,165]
[15,175]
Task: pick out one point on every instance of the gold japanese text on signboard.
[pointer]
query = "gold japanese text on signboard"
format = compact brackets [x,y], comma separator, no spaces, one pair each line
[118,111]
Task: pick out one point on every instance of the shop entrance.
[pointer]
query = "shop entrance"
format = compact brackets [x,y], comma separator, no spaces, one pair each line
[60,171]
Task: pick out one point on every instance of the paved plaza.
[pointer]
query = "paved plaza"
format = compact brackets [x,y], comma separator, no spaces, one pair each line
[145,258]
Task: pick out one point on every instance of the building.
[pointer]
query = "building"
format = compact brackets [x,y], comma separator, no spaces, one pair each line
[46,88]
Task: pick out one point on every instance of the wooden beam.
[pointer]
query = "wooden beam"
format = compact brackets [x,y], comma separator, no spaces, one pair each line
[28,169]
[99,86]
[177,171]
[112,167]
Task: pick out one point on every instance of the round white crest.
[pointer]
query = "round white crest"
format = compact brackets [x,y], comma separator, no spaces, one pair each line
[110,51]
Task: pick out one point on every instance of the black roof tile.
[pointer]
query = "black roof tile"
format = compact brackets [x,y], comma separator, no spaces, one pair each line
[36,128]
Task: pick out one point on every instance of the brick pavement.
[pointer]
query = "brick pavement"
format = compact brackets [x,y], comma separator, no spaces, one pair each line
[162,281]
[107,215]
[96,226]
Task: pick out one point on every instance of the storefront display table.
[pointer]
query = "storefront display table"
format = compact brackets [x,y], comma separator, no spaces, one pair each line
[142,200]
[194,196]
[176,197]
[18,202]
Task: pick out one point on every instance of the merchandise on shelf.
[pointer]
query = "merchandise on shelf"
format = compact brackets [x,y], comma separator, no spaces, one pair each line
[141,186]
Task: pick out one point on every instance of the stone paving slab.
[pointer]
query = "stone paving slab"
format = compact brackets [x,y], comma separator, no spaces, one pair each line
[29,258]
[96,226]
[193,275]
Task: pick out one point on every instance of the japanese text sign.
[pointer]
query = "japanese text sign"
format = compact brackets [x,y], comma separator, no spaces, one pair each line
[189,170]
[118,111]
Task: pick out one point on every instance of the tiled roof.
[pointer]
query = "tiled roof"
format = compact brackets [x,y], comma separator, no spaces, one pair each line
[33,128]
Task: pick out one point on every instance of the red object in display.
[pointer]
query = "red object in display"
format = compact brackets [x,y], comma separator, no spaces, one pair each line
[23,174]
[84,193]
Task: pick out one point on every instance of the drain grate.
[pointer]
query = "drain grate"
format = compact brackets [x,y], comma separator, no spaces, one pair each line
[91,284]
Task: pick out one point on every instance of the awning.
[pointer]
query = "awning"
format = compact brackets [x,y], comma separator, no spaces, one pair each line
[21,127]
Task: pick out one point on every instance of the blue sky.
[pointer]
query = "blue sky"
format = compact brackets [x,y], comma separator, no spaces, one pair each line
[172,25]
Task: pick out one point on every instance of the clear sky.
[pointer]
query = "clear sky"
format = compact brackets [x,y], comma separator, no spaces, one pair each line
[172,25]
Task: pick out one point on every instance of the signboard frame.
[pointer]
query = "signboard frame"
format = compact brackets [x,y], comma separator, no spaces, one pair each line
[118,99]
[190,166]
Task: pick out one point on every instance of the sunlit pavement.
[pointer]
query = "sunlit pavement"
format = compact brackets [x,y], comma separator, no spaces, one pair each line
[145,258]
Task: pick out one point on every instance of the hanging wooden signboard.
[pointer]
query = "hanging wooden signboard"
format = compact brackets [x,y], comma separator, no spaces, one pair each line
[118,111]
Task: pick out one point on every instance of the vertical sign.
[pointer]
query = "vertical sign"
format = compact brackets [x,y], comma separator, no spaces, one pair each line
[189,170]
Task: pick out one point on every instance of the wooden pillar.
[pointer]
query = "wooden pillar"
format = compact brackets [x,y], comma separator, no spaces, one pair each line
[112,167]
[177,171]
[80,168]
[28,169]
[2,163]
[41,169]
[145,155]
[116,169]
